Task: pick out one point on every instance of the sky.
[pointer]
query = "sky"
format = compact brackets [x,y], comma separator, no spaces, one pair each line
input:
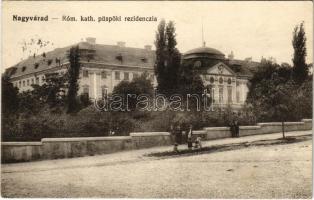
[249,29]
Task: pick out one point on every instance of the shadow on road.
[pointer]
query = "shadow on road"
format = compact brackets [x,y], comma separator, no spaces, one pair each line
[232,146]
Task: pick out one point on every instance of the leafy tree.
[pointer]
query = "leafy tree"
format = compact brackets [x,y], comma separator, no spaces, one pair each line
[73,86]
[300,68]
[9,96]
[278,102]
[303,99]
[168,58]
[138,86]
[275,97]
[52,92]
[190,82]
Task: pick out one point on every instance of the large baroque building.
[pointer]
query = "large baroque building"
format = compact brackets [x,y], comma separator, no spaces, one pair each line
[104,66]
[227,79]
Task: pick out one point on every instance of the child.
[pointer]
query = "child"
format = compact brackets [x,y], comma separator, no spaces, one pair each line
[198,143]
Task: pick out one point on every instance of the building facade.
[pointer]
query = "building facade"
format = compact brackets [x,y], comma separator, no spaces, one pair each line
[226,79]
[105,66]
[102,67]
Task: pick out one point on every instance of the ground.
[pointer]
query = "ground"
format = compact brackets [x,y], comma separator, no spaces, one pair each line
[248,167]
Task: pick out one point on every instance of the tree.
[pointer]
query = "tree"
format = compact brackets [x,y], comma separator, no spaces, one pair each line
[9,96]
[73,73]
[279,102]
[272,94]
[173,58]
[160,44]
[52,92]
[300,68]
[138,86]
[168,58]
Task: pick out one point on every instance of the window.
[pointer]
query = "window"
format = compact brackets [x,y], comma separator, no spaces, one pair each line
[117,75]
[32,81]
[229,94]
[119,57]
[49,62]
[103,74]
[221,92]
[23,68]
[27,82]
[221,80]
[151,77]
[85,73]
[37,80]
[43,79]
[104,91]
[229,81]
[135,75]
[24,83]
[20,84]
[212,93]
[212,80]
[126,76]
[238,96]
[86,90]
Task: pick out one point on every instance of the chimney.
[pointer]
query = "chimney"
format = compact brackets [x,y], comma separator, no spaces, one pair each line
[91,40]
[148,47]
[231,56]
[121,44]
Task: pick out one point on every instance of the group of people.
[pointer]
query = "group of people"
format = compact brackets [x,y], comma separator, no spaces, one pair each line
[234,128]
[177,133]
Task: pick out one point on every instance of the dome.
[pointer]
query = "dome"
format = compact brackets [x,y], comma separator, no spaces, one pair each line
[204,52]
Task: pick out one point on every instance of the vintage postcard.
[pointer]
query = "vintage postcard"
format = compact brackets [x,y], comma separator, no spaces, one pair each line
[158,99]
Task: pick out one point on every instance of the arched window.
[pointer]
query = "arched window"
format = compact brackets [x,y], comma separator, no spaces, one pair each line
[212,80]
[221,80]
[86,89]
[229,81]
[221,91]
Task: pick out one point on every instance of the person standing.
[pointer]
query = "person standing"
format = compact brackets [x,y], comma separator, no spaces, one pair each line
[236,128]
[190,133]
[232,128]
[177,135]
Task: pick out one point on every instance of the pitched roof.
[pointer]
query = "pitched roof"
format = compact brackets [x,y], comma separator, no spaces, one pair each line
[108,54]
[239,67]
[38,63]
[242,67]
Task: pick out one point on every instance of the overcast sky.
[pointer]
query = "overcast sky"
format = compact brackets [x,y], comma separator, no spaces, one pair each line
[249,29]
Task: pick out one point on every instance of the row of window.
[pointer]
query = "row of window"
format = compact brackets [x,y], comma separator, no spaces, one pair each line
[211,79]
[104,90]
[117,75]
[221,96]
[28,82]
[33,80]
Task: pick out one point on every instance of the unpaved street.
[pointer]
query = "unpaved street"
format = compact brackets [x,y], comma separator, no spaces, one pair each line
[262,171]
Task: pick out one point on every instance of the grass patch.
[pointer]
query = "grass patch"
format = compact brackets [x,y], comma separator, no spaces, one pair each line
[232,146]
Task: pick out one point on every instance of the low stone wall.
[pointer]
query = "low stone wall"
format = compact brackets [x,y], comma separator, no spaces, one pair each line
[21,151]
[150,139]
[217,132]
[54,148]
